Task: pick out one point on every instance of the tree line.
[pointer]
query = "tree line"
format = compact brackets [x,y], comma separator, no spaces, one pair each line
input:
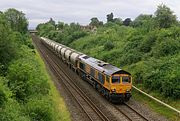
[24,90]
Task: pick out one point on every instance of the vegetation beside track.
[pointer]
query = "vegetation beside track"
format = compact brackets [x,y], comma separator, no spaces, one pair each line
[26,93]
[148,47]
[155,106]
[61,111]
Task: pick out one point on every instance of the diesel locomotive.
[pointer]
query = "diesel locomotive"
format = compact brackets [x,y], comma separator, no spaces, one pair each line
[113,83]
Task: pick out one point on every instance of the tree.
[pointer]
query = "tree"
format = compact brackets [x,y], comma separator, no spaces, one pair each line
[164,17]
[7,46]
[141,20]
[145,22]
[74,26]
[127,21]
[95,22]
[51,21]
[110,17]
[100,23]
[60,25]
[118,21]
[17,20]
[45,28]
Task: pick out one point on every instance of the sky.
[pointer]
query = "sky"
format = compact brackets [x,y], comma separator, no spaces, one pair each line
[81,11]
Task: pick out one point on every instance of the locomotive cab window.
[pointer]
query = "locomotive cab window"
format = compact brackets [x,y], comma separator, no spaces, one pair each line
[81,65]
[126,79]
[101,78]
[115,79]
[92,72]
[107,79]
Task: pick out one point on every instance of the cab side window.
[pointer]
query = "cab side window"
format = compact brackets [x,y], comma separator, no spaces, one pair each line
[92,72]
[107,79]
[101,78]
[82,66]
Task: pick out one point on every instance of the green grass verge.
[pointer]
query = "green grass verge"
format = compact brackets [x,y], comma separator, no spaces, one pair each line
[155,106]
[59,105]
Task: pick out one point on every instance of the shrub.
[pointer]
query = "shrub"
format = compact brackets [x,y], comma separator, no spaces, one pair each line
[148,42]
[25,76]
[13,112]
[4,92]
[166,47]
[40,109]
[130,57]
[108,45]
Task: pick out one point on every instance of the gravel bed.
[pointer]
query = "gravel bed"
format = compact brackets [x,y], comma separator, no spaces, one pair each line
[146,111]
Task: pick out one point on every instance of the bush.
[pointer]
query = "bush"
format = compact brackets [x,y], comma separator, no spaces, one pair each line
[130,57]
[108,45]
[40,109]
[4,92]
[20,72]
[148,42]
[166,47]
[13,112]
[25,77]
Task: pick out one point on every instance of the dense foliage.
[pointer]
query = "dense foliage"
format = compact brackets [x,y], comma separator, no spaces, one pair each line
[16,20]
[148,47]
[24,90]
[61,32]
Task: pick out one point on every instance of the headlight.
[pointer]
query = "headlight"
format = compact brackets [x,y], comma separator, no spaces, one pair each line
[113,90]
[128,90]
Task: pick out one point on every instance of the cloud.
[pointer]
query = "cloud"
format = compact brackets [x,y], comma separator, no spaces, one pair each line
[83,10]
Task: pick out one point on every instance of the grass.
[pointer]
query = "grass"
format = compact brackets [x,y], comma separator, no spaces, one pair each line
[60,108]
[155,106]
[169,101]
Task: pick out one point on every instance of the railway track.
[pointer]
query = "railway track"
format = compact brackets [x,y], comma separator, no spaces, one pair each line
[130,113]
[86,104]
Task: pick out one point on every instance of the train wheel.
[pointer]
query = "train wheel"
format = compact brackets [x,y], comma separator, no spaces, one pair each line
[109,98]
[99,88]
[76,71]
[83,76]
[94,85]
[103,92]
[106,94]
[126,99]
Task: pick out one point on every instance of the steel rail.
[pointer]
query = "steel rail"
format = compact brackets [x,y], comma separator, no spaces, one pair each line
[136,112]
[128,115]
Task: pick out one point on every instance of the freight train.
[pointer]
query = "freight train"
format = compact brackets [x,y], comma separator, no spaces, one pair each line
[113,83]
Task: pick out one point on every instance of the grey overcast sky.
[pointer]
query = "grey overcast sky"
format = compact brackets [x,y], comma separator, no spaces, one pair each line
[81,11]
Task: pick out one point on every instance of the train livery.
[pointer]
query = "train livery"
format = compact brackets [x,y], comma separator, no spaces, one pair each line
[113,83]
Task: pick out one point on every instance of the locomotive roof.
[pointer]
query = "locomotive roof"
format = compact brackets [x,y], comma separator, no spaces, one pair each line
[104,67]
